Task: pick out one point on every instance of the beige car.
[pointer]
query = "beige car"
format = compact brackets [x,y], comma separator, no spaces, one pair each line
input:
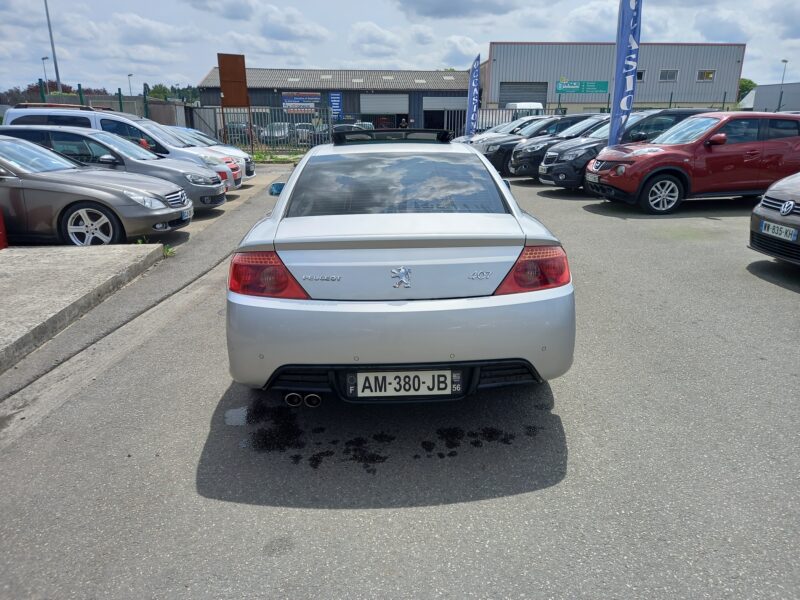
[45,195]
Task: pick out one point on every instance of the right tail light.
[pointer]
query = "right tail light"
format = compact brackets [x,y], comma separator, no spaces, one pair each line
[537,268]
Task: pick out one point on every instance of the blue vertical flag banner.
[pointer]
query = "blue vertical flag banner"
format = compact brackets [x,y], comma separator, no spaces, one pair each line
[625,67]
[473,97]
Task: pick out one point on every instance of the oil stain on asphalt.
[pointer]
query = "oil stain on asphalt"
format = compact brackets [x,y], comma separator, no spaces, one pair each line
[279,431]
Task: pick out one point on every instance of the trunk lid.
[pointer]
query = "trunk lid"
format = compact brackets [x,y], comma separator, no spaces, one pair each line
[399,256]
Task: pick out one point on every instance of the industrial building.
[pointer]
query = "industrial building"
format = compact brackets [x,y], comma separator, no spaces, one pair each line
[573,77]
[684,75]
[382,97]
[774,97]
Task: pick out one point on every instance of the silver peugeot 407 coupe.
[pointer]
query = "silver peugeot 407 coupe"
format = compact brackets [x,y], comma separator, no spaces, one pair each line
[397,266]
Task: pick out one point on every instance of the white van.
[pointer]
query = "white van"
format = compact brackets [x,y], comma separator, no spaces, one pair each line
[137,129]
[524,109]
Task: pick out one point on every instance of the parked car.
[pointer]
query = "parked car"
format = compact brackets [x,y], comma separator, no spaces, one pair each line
[322,135]
[239,134]
[419,243]
[512,127]
[564,164]
[718,154]
[775,222]
[146,133]
[46,195]
[499,148]
[364,124]
[235,160]
[304,131]
[528,155]
[279,132]
[478,131]
[100,149]
[219,146]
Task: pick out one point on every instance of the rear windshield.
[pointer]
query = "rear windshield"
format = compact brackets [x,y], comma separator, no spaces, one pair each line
[384,183]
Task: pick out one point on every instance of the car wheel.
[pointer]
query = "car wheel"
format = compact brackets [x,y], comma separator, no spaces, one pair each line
[90,224]
[661,195]
[507,165]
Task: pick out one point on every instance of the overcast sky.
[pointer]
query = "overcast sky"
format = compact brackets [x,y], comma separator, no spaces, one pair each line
[175,41]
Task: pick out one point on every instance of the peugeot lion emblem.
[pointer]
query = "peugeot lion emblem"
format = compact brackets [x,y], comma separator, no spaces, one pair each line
[403,275]
[786,209]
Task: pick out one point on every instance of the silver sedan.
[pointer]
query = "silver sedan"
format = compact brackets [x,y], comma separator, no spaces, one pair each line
[397,270]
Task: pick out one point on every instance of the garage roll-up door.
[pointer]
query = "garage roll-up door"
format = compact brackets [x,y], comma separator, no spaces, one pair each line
[384,104]
[526,91]
[444,103]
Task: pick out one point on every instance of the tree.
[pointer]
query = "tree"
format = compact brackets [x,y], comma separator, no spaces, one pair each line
[159,90]
[745,87]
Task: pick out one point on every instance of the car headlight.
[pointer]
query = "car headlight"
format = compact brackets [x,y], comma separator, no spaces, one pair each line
[573,154]
[198,179]
[492,148]
[146,201]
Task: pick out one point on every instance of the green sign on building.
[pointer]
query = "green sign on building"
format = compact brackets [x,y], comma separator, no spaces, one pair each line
[582,87]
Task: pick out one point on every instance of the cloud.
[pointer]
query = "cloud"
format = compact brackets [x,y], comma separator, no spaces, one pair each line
[249,44]
[422,35]
[460,50]
[369,39]
[287,23]
[725,29]
[446,9]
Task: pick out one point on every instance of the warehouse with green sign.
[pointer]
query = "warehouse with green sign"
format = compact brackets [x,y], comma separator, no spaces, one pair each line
[578,76]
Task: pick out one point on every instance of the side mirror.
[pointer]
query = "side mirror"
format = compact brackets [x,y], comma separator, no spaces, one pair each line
[107,159]
[276,188]
[718,139]
[638,136]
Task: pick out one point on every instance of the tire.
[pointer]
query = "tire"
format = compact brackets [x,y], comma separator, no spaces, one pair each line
[507,165]
[90,224]
[661,195]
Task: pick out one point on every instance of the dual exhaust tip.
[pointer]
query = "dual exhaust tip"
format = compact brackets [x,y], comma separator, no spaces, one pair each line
[294,399]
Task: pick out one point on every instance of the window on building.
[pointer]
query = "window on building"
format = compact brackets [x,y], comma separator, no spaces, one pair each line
[640,75]
[668,75]
[706,75]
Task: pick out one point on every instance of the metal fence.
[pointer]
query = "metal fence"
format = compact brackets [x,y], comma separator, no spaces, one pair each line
[455,120]
[264,129]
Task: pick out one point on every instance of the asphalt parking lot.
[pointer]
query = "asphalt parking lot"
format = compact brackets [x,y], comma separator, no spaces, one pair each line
[662,465]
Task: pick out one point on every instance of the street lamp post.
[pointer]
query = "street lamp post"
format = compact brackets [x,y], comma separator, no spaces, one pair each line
[52,47]
[783,77]
[130,89]
[44,68]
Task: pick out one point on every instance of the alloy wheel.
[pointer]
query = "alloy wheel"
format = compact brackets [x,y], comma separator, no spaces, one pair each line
[663,195]
[89,227]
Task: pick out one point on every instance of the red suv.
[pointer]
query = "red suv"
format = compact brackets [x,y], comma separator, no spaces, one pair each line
[711,155]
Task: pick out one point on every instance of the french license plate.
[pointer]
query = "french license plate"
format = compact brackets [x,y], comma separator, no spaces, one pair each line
[592,178]
[187,214]
[387,384]
[542,169]
[779,231]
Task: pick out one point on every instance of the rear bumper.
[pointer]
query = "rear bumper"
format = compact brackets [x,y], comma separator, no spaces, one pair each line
[339,380]
[266,334]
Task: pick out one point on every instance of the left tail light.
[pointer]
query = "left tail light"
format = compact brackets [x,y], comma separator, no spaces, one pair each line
[537,268]
[263,274]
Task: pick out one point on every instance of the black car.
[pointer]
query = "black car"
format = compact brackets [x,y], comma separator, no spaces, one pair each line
[528,155]
[498,148]
[564,164]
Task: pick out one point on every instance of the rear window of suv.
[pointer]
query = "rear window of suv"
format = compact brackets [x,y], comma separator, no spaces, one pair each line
[394,182]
